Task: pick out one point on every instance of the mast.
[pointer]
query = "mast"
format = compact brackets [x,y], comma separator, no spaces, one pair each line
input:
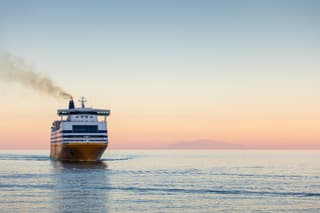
[82,100]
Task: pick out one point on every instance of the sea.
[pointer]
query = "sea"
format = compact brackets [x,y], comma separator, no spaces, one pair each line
[162,181]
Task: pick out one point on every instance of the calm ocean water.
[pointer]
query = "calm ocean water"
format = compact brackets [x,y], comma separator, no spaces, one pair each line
[162,181]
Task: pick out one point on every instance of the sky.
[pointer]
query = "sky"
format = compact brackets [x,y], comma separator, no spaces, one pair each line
[175,74]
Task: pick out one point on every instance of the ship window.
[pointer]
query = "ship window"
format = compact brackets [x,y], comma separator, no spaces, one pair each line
[86,116]
[85,128]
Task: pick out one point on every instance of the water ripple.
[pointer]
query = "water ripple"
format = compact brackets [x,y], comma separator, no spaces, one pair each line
[14,157]
[167,190]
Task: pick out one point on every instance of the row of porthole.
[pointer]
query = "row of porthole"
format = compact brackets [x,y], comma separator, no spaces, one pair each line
[84,116]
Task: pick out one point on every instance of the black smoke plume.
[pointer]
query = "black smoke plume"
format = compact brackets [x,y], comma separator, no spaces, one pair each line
[13,69]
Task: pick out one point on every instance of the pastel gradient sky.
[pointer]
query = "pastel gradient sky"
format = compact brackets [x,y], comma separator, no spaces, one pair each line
[176,74]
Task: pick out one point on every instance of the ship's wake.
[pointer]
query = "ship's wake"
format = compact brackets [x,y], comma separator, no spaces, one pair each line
[115,159]
[16,157]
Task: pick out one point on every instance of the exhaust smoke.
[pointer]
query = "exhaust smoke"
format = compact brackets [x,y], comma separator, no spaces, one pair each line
[13,69]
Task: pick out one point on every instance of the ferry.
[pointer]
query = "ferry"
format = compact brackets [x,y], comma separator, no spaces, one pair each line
[80,134]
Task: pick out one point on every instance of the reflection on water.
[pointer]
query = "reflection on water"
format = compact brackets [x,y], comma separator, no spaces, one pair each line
[80,186]
[60,165]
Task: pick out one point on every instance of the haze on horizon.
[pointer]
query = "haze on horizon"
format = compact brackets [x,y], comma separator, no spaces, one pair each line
[221,74]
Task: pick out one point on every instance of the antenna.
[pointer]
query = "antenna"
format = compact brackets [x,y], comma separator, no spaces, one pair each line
[82,100]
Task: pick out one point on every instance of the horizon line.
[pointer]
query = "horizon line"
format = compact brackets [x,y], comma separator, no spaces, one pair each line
[198,149]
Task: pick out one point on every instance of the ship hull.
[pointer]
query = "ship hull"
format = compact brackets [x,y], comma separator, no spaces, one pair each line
[77,151]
